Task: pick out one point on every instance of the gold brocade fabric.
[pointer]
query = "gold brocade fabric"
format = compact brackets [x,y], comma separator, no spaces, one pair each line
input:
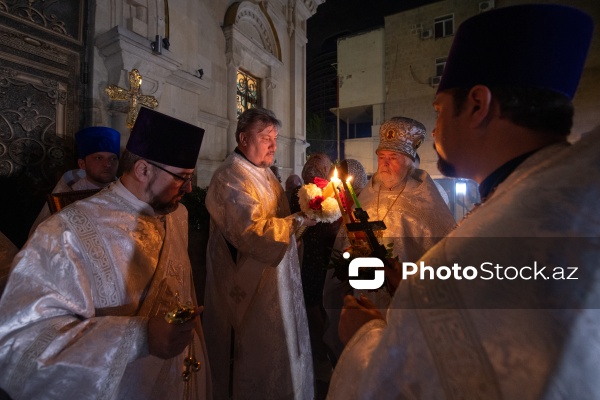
[499,338]
[73,316]
[253,290]
[416,218]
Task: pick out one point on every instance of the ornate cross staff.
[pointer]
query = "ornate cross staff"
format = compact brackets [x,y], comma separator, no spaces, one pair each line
[366,226]
[134,96]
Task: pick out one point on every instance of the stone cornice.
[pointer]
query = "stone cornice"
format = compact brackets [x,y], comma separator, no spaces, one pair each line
[190,82]
[125,50]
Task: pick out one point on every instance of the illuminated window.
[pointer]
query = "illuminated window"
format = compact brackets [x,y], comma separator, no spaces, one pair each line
[248,92]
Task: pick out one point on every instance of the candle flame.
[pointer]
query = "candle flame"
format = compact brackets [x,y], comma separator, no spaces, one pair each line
[335,174]
[349,178]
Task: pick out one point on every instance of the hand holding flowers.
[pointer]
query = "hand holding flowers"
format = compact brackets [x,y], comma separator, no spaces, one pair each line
[317,202]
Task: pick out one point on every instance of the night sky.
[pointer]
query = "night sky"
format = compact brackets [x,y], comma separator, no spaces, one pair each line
[337,18]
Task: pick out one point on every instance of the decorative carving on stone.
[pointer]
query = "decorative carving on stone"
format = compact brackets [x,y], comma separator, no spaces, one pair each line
[252,21]
[271,83]
[311,5]
[291,17]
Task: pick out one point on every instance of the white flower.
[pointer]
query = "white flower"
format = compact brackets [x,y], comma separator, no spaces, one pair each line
[329,211]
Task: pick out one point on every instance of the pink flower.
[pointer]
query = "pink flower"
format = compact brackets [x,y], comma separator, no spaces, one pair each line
[315,203]
[320,182]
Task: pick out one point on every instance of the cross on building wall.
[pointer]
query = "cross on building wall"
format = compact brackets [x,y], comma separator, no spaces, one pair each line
[133,96]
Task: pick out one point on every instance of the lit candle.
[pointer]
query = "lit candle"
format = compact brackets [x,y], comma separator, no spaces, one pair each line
[334,184]
[329,191]
[339,200]
[351,190]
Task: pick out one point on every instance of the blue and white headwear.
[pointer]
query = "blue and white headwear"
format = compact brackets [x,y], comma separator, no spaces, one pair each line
[97,139]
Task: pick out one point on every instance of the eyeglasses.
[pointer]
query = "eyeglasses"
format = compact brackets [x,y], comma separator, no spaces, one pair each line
[184,181]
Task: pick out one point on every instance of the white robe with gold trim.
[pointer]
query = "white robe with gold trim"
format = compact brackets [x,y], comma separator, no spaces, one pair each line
[490,339]
[253,288]
[73,317]
[416,218]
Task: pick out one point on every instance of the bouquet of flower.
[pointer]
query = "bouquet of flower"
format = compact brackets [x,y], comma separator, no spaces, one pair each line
[317,203]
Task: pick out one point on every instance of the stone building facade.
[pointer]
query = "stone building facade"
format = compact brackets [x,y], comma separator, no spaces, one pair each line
[57,59]
[266,39]
[416,43]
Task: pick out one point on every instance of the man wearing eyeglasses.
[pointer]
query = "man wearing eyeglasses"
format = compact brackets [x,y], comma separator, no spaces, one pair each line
[255,320]
[96,303]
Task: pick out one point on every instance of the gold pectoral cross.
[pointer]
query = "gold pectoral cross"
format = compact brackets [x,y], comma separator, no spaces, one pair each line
[133,95]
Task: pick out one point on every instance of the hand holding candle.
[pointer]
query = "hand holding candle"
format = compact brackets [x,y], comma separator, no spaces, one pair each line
[329,190]
[335,183]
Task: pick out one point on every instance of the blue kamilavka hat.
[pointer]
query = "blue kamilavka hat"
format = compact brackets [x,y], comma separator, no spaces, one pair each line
[164,139]
[97,139]
[534,45]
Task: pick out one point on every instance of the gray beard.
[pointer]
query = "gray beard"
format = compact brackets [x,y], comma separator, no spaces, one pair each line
[388,180]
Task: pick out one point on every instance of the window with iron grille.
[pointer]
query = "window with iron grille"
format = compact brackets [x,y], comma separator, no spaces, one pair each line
[248,92]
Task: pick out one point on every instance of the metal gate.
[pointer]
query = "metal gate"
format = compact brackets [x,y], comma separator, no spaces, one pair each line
[42,90]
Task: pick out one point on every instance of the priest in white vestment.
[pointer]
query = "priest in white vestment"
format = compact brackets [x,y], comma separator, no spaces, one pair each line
[407,201]
[255,320]
[83,312]
[98,150]
[510,308]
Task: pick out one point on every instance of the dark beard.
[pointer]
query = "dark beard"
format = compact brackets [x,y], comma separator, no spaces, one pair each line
[444,166]
[160,207]
[163,208]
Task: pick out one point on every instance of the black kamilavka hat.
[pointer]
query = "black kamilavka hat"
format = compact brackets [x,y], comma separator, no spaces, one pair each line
[164,139]
[532,45]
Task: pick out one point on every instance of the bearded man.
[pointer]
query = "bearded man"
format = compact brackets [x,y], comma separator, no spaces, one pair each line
[507,305]
[406,199]
[83,312]
[255,320]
